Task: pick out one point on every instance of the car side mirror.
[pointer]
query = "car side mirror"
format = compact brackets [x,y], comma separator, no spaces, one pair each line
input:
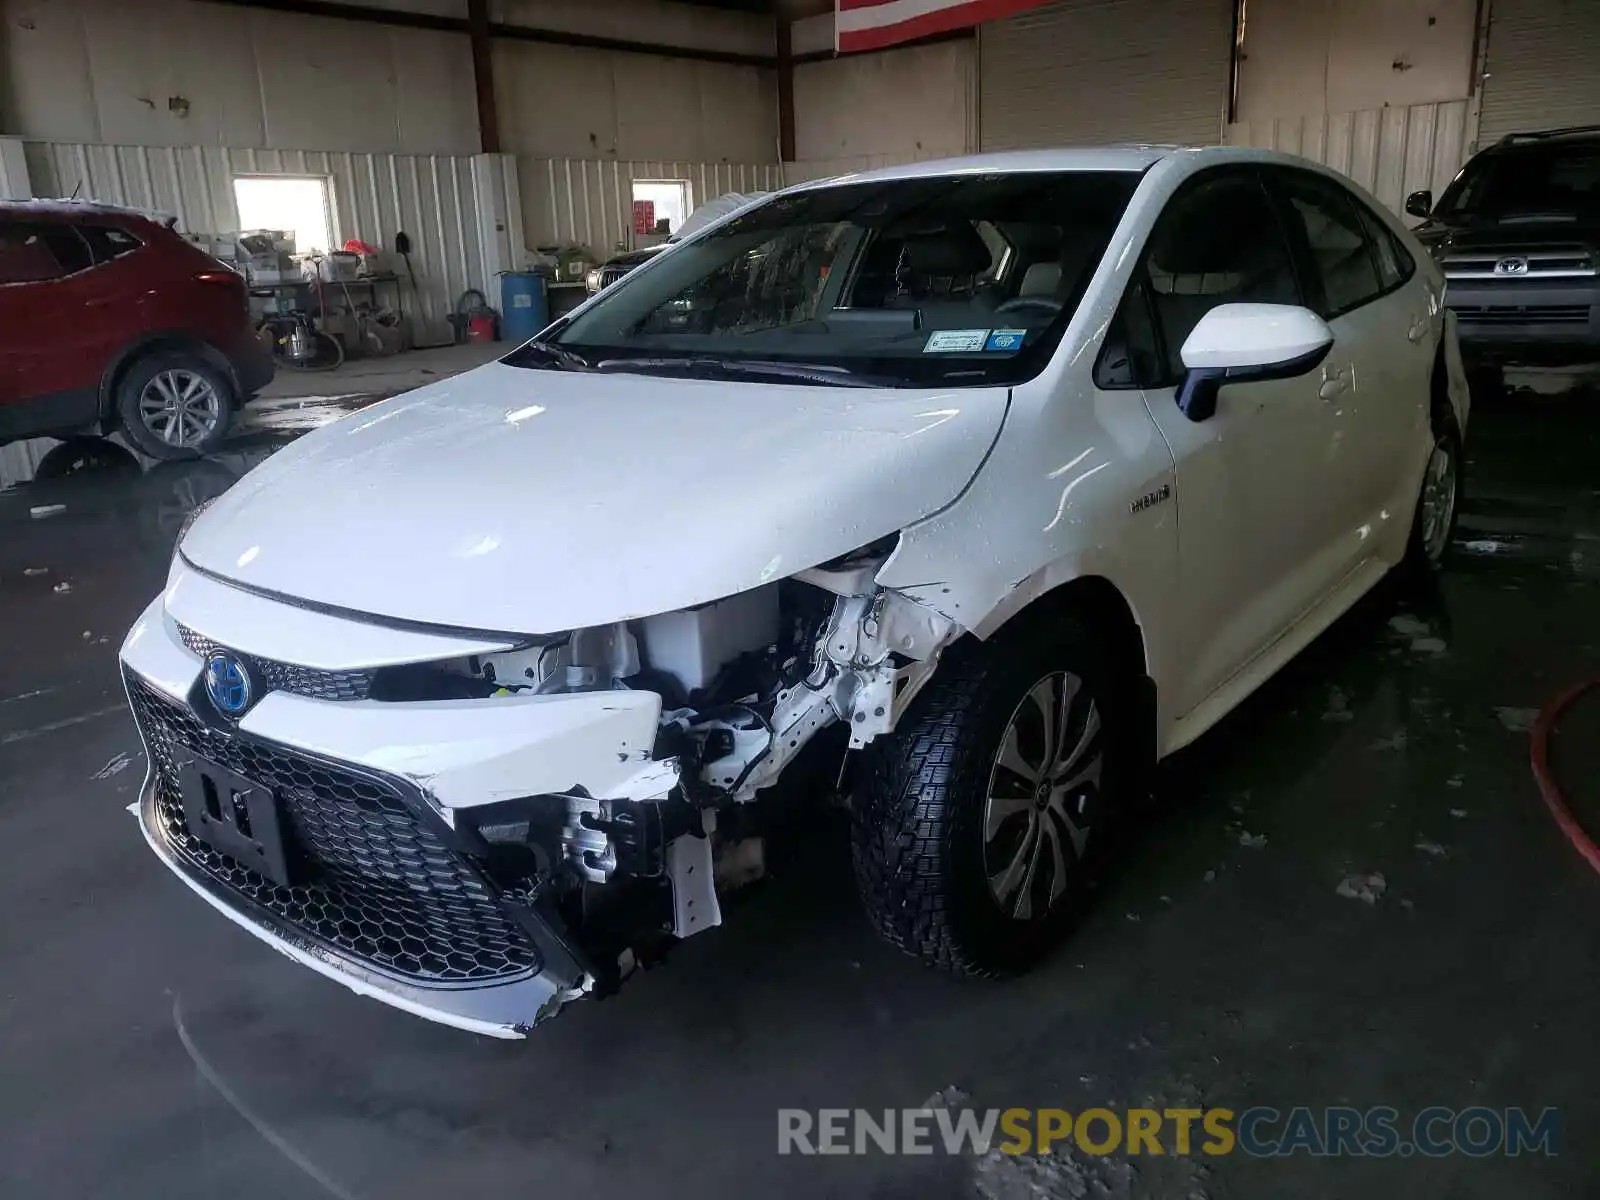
[1247,343]
[1420,204]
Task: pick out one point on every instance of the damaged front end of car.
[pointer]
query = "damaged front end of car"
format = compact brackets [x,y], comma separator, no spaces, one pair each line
[483,837]
[633,854]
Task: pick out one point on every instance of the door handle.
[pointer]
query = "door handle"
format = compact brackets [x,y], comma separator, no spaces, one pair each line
[1335,382]
[1418,330]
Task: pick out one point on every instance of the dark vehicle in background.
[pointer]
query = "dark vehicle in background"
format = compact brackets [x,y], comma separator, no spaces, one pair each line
[1518,235]
[618,265]
[110,321]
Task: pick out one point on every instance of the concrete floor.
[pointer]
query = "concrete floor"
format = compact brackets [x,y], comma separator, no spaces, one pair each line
[368,376]
[150,1049]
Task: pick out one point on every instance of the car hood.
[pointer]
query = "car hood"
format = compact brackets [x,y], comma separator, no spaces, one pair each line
[534,501]
[634,258]
[1508,235]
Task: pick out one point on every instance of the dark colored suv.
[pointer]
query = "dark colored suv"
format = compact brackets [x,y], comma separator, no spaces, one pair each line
[1518,235]
[110,320]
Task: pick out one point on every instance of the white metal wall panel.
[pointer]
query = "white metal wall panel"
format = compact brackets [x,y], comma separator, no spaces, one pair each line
[1542,66]
[1389,151]
[438,199]
[1095,71]
[588,202]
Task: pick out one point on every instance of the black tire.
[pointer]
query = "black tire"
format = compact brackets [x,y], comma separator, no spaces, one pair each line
[169,365]
[1428,547]
[918,813]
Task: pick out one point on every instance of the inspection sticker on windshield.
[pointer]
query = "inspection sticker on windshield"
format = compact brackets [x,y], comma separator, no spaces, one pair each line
[1005,339]
[955,341]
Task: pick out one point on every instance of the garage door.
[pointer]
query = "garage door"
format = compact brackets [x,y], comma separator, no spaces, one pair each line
[1544,67]
[1105,71]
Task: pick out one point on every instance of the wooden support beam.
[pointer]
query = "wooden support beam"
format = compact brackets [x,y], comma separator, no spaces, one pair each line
[483,75]
[785,89]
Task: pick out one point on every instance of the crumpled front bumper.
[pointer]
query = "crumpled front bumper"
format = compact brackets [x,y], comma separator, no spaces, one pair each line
[416,768]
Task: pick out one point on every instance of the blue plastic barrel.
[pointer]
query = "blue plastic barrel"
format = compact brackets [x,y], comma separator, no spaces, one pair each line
[524,305]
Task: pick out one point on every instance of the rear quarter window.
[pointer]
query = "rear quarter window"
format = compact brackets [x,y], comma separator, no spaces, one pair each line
[107,242]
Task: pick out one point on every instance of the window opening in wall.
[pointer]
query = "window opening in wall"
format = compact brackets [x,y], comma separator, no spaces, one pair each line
[297,204]
[668,201]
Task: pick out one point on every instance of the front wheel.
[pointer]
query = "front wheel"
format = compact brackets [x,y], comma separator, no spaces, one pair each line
[975,826]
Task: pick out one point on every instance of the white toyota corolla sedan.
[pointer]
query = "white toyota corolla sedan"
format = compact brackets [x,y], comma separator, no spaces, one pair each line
[975,485]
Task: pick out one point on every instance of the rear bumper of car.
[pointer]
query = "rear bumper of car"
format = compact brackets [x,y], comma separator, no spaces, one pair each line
[392,894]
[1537,322]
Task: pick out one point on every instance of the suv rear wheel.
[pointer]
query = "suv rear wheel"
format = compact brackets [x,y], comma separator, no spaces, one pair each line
[174,405]
[976,822]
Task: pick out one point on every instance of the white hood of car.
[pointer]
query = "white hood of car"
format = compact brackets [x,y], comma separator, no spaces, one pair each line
[535,501]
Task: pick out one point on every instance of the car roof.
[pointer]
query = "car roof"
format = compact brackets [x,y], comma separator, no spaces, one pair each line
[1136,158]
[69,208]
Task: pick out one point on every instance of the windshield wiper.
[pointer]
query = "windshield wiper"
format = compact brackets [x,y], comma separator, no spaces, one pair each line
[558,354]
[826,374]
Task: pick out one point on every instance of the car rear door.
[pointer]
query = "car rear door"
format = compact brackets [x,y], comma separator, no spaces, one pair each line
[1253,489]
[1379,311]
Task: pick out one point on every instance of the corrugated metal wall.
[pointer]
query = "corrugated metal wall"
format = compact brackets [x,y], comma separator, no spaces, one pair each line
[434,198]
[1097,71]
[1388,151]
[1542,68]
[589,202]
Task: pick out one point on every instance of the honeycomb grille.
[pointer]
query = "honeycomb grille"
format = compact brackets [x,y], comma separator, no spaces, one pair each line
[377,884]
[287,677]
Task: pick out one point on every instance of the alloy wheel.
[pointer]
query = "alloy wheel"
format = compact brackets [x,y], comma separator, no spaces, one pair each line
[1438,500]
[180,407]
[1043,788]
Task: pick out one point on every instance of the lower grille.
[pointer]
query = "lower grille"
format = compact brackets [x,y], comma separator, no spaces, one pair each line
[1516,314]
[288,677]
[378,885]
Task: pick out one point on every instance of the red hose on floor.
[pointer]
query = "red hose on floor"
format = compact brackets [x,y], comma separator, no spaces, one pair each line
[1539,752]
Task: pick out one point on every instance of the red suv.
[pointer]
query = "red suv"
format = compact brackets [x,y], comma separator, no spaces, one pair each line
[109,320]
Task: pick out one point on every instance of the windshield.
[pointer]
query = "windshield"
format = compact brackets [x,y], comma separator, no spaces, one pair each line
[1533,181]
[904,283]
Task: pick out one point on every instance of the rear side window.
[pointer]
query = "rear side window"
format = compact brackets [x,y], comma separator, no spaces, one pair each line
[38,251]
[1337,240]
[107,242]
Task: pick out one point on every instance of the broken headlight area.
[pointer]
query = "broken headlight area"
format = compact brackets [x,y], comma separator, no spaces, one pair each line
[746,685]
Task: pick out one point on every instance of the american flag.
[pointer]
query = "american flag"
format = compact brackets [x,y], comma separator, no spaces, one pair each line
[874,24]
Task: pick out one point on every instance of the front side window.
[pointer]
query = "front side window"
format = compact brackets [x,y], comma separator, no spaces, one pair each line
[38,251]
[1344,258]
[1395,264]
[1218,242]
[945,281]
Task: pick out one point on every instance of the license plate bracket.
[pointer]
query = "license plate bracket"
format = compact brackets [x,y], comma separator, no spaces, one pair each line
[235,815]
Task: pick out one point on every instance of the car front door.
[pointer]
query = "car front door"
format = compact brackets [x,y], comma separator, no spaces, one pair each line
[1362,282]
[1252,477]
